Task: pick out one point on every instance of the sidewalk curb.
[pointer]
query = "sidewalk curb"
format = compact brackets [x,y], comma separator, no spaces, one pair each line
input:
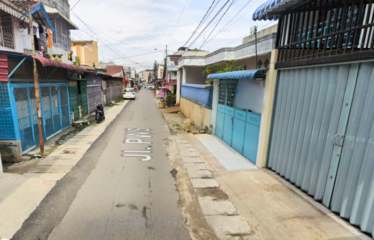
[220,214]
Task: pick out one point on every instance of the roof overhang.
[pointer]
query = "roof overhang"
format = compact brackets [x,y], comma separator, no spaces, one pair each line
[55,12]
[48,62]
[203,86]
[41,16]
[272,9]
[15,11]
[247,74]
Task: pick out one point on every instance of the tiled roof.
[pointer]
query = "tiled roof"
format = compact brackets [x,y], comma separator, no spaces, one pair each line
[114,70]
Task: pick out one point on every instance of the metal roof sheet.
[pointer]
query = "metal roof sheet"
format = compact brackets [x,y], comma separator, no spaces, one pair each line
[196,85]
[48,62]
[246,74]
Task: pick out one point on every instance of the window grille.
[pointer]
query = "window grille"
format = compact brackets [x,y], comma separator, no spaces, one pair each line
[62,34]
[6,30]
[323,28]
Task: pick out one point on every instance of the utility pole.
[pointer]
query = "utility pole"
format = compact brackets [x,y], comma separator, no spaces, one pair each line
[36,83]
[256,43]
[254,31]
[166,61]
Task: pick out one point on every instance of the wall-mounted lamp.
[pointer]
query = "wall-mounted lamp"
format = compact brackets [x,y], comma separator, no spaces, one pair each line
[266,63]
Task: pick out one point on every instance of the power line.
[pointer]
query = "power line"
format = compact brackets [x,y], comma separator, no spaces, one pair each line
[230,21]
[75,5]
[99,37]
[153,52]
[217,21]
[215,16]
[118,40]
[94,33]
[138,63]
[198,26]
[262,27]
[214,7]
[232,3]
[100,32]
[178,21]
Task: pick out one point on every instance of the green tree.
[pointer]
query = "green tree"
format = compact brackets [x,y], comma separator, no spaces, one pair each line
[217,68]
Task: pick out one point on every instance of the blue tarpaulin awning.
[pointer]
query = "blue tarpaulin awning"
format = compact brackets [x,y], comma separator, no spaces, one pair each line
[196,85]
[40,15]
[272,9]
[246,74]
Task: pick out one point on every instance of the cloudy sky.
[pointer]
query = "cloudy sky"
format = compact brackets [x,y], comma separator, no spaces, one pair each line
[126,29]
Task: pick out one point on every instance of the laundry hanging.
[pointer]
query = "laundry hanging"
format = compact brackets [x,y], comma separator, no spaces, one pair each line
[49,39]
[57,57]
[43,38]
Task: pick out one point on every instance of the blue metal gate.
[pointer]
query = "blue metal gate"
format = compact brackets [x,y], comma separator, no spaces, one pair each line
[238,128]
[252,134]
[55,111]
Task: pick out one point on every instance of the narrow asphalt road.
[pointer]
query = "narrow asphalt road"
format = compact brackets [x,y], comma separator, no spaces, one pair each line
[111,194]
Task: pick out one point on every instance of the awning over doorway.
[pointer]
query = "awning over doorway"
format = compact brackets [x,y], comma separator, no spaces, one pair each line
[15,11]
[247,74]
[40,15]
[44,61]
[271,9]
[53,63]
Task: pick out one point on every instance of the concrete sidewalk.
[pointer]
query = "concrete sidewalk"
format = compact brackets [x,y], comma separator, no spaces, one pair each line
[272,208]
[21,194]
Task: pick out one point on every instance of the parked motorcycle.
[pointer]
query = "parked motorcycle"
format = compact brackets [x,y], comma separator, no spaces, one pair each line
[99,113]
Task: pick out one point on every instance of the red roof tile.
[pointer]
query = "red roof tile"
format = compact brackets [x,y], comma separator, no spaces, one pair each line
[114,70]
[175,59]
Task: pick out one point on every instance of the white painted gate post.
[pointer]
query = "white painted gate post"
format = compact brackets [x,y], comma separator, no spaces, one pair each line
[1,166]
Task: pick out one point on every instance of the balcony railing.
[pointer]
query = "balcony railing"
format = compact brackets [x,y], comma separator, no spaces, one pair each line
[324,28]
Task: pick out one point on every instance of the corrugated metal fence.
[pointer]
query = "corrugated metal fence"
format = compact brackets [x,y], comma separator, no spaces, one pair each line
[199,93]
[94,92]
[323,135]
[114,90]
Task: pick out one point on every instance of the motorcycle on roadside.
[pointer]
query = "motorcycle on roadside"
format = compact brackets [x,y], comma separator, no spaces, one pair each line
[99,113]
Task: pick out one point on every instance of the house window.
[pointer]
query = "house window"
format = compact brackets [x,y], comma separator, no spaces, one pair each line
[62,34]
[6,30]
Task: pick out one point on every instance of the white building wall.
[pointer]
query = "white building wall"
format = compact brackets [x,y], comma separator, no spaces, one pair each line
[56,49]
[213,115]
[264,46]
[133,73]
[17,34]
[26,41]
